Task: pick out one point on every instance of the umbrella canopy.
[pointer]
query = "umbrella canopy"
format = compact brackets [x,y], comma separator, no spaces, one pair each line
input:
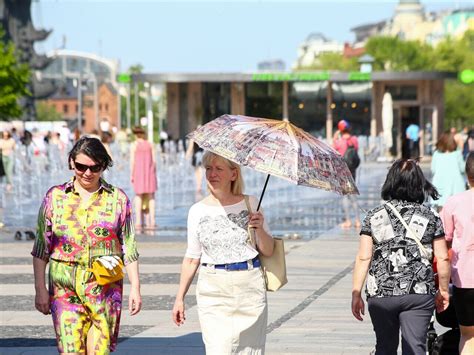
[387,119]
[276,148]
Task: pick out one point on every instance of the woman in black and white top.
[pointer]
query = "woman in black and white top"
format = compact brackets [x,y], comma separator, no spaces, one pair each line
[231,295]
[400,286]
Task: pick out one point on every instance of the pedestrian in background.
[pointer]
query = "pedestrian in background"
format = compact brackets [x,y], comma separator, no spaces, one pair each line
[80,221]
[143,178]
[468,146]
[400,286]
[458,220]
[447,167]
[231,294]
[412,135]
[7,147]
[195,153]
[342,141]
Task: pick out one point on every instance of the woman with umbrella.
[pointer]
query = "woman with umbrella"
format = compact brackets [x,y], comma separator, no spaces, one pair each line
[231,295]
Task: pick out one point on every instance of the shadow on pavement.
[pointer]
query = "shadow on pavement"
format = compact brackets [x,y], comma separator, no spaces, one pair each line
[186,344]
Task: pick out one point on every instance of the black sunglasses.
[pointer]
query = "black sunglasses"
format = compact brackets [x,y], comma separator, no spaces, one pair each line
[83,167]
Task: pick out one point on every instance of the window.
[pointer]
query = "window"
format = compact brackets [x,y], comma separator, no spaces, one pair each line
[351,101]
[106,107]
[264,99]
[307,106]
[65,108]
[403,92]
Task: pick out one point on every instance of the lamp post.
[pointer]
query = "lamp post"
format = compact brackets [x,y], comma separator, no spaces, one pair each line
[96,100]
[149,112]
[128,106]
[79,103]
[135,90]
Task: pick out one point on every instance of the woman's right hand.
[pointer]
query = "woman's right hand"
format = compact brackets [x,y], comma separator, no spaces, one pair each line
[178,312]
[42,301]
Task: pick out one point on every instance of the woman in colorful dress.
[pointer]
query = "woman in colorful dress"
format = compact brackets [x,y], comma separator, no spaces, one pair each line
[398,262]
[143,178]
[231,295]
[80,221]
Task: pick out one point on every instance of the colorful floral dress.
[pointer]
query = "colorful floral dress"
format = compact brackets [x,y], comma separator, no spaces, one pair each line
[70,235]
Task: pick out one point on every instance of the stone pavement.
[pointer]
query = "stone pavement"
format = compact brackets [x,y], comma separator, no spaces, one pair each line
[310,315]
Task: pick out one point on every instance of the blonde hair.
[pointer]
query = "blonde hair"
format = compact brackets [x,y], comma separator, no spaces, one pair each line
[236,186]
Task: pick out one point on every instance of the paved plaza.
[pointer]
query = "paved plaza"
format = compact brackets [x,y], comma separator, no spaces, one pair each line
[310,315]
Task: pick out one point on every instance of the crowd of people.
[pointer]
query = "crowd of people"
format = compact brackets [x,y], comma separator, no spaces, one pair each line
[86,220]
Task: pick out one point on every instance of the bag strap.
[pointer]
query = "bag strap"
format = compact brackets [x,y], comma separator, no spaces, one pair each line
[251,240]
[410,234]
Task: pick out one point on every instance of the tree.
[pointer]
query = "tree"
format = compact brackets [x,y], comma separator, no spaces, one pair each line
[47,112]
[333,61]
[13,80]
[457,55]
[392,53]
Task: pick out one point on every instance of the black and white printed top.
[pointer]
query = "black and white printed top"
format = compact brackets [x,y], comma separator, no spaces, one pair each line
[218,234]
[397,267]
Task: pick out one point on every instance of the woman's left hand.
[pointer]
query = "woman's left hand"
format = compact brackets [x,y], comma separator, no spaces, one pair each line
[134,301]
[256,220]
[441,301]
[358,307]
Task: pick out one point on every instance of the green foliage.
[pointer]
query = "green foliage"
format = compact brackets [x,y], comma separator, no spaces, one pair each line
[13,80]
[391,53]
[45,112]
[455,56]
[334,61]
[459,104]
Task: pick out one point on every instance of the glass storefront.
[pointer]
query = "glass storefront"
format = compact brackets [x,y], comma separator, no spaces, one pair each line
[215,100]
[264,100]
[307,106]
[351,102]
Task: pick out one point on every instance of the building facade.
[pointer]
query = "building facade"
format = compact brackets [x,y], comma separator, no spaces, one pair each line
[314,101]
[411,22]
[86,83]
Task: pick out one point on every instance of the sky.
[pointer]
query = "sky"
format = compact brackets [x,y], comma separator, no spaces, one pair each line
[195,36]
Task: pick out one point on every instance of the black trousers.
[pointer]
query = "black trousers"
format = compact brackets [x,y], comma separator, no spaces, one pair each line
[410,313]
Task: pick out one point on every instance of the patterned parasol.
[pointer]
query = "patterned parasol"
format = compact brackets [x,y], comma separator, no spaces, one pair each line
[276,148]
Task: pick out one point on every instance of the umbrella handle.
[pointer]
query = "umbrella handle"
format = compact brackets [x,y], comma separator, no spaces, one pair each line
[263,192]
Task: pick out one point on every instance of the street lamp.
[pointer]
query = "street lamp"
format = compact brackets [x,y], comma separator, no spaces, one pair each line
[149,111]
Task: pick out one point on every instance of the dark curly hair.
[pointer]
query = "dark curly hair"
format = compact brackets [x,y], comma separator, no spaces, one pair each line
[94,149]
[405,181]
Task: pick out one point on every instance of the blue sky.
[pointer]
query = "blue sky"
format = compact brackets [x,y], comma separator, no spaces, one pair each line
[196,36]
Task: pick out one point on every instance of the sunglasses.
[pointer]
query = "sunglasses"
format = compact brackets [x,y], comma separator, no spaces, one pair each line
[83,167]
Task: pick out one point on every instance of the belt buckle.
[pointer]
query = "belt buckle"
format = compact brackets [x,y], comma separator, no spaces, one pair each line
[250,264]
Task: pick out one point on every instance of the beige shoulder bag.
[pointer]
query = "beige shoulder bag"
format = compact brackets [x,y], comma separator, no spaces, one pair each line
[424,252]
[273,267]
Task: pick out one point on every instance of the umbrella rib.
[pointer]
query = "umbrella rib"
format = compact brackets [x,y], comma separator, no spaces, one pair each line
[292,135]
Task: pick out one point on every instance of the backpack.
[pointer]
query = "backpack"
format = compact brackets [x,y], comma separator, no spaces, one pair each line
[351,157]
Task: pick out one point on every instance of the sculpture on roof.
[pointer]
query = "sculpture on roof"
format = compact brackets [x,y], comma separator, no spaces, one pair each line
[15,18]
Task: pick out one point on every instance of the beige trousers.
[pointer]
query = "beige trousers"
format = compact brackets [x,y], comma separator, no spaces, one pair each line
[232,307]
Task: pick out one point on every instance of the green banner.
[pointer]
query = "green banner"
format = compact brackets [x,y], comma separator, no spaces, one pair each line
[358,76]
[124,78]
[323,76]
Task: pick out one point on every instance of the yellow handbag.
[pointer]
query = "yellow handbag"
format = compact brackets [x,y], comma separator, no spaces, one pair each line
[273,267]
[105,276]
